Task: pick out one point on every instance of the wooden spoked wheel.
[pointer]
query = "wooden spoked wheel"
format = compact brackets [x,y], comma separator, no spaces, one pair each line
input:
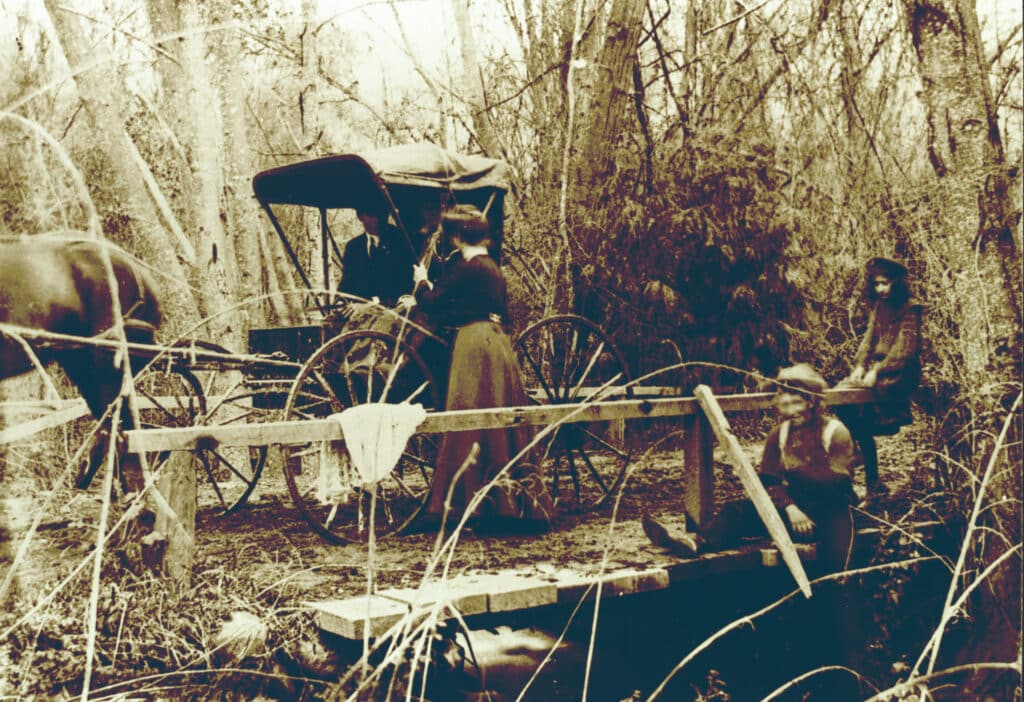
[569,359]
[168,397]
[354,368]
[173,396]
[232,472]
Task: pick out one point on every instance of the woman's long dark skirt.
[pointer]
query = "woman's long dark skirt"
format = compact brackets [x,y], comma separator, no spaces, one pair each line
[484,373]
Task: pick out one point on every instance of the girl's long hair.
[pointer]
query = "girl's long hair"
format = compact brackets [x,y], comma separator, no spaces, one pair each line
[899,294]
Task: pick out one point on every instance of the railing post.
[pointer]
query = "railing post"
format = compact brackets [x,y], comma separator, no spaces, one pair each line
[177,485]
[698,468]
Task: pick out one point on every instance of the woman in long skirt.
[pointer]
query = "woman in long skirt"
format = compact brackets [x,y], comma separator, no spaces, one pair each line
[472,299]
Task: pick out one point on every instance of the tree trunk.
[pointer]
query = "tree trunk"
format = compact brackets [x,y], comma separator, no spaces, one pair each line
[689,88]
[104,108]
[604,96]
[309,109]
[166,25]
[245,221]
[966,152]
[243,213]
[216,262]
[978,247]
[473,85]
[612,92]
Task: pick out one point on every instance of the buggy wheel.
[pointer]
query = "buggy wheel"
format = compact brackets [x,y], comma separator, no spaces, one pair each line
[358,367]
[231,472]
[174,397]
[168,396]
[567,359]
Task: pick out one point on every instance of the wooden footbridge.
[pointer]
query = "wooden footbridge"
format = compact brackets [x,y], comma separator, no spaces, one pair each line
[701,419]
[507,592]
[641,403]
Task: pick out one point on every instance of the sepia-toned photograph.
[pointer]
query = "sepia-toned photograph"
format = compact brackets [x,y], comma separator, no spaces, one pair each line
[511,350]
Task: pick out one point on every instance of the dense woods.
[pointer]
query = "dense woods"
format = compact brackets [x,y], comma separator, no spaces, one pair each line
[707,173]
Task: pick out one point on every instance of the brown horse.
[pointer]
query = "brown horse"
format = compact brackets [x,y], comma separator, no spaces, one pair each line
[61,285]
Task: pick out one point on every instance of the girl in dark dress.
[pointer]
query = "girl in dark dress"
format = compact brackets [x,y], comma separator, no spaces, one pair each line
[888,360]
[472,300]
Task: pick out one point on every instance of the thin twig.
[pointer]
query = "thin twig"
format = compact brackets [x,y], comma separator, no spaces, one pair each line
[950,610]
[947,611]
[900,690]
[809,674]
[734,20]
[101,538]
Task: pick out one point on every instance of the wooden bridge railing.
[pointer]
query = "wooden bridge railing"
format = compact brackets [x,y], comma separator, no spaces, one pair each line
[698,441]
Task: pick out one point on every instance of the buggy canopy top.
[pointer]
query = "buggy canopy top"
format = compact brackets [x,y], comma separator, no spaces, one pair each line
[413,182]
[354,180]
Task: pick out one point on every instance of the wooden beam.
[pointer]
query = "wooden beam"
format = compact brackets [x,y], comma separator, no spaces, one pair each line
[752,484]
[71,410]
[304,431]
[20,432]
[177,484]
[698,469]
[38,406]
[617,392]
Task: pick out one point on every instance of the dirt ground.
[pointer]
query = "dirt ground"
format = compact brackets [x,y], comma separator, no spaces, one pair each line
[268,541]
[272,538]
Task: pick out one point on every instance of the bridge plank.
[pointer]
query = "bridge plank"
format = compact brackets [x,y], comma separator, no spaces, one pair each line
[347,617]
[464,597]
[477,593]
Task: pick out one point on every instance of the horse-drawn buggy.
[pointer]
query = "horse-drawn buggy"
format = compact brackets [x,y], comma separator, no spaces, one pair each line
[357,346]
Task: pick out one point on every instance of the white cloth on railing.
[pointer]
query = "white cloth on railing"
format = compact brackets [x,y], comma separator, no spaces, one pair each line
[375,435]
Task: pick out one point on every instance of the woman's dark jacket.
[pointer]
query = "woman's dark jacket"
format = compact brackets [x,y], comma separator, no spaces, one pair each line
[470,291]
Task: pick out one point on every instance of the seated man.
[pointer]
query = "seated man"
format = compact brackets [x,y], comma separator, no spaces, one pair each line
[806,469]
[377,263]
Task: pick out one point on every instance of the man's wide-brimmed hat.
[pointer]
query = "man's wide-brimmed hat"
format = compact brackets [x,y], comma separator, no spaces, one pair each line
[465,218]
[890,268]
[801,378]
